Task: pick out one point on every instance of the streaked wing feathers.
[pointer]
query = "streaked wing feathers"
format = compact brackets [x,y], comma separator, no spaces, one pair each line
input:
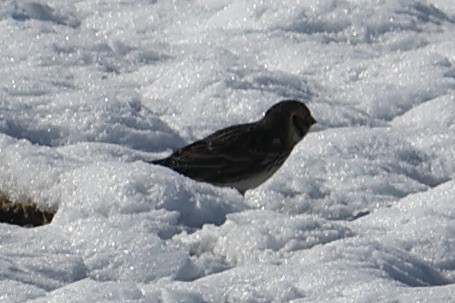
[225,155]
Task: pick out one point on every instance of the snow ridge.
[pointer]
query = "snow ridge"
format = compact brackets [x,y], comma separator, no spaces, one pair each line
[361,211]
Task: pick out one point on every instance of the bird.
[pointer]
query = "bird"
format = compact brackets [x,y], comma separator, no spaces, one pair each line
[246,155]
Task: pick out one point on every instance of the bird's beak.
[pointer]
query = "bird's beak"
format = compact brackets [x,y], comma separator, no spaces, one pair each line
[313,121]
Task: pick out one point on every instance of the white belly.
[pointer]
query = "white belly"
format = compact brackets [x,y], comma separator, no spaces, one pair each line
[252,182]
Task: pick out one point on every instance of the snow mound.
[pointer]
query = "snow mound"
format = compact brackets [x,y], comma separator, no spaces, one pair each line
[362,210]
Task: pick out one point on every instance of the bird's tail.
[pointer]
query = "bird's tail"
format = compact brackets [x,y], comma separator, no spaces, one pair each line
[162,162]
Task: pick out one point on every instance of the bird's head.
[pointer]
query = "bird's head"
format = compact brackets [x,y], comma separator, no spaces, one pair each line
[292,117]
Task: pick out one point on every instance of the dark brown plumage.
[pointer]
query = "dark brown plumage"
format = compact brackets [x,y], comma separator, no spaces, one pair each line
[25,213]
[244,156]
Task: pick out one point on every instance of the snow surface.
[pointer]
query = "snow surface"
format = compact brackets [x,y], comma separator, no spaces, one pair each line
[362,211]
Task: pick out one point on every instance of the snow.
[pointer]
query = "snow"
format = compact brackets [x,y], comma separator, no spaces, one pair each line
[362,211]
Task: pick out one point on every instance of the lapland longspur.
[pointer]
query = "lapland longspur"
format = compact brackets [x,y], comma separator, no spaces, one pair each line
[244,156]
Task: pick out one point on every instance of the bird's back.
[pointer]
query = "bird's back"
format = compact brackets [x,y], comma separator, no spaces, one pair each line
[228,156]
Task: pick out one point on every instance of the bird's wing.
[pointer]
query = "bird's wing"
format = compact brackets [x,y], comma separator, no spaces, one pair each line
[226,154]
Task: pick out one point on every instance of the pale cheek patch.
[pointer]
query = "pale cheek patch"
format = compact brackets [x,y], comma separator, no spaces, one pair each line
[295,134]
